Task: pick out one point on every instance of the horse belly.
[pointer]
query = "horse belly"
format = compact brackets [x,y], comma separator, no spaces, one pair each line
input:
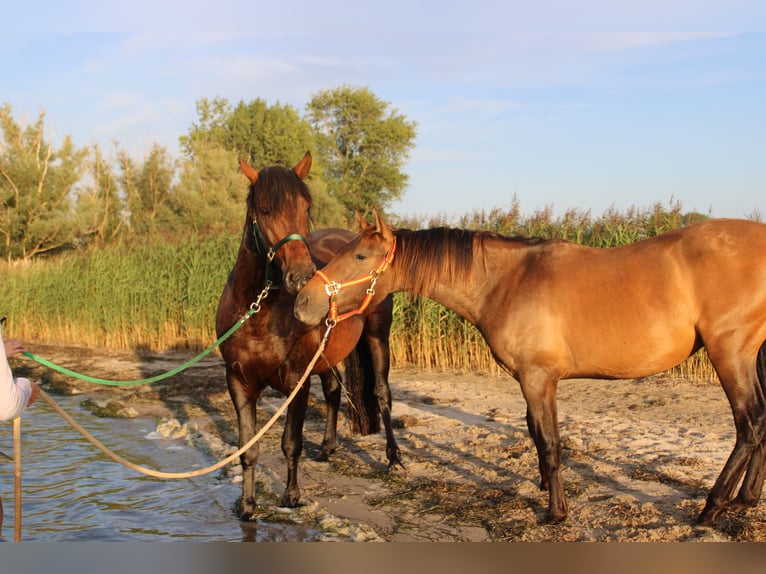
[636,349]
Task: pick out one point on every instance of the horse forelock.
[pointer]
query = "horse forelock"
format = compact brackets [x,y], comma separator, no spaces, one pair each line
[278,188]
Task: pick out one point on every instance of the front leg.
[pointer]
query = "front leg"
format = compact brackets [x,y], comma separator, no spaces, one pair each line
[292,444]
[245,407]
[539,390]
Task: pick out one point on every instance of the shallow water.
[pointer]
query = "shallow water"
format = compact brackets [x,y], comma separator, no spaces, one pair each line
[72,492]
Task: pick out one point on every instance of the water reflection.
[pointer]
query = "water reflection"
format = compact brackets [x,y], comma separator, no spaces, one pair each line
[72,492]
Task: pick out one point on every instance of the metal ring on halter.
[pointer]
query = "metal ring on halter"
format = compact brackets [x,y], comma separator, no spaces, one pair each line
[332,288]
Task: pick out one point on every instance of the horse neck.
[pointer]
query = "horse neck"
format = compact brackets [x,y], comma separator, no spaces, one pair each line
[249,273]
[456,289]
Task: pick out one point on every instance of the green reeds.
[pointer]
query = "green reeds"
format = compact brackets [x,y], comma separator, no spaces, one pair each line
[155,295]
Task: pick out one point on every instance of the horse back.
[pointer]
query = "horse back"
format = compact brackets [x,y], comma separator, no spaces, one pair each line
[325,243]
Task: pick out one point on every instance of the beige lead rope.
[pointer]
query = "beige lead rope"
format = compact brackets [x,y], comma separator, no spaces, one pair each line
[17,478]
[149,471]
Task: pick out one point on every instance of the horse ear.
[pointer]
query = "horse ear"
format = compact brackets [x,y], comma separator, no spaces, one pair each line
[249,172]
[361,222]
[303,166]
[381,227]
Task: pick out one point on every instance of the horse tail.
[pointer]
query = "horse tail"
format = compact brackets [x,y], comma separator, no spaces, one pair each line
[360,391]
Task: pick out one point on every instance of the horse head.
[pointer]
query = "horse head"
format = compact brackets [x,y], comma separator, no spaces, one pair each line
[278,209]
[353,279]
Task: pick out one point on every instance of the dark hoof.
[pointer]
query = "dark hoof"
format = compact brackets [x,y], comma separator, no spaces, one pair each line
[555,517]
[324,455]
[708,517]
[247,512]
[290,500]
[741,503]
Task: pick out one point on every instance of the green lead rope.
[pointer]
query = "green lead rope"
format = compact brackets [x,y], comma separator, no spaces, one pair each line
[154,379]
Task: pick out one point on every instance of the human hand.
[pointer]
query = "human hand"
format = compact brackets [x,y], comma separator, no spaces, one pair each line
[35,393]
[13,347]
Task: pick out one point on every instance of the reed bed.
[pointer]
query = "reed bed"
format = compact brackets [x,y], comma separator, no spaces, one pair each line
[162,293]
[154,295]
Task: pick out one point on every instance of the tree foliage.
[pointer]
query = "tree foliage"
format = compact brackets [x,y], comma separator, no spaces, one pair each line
[36,184]
[147,185]
[56,196]
[263,135]
[364,145]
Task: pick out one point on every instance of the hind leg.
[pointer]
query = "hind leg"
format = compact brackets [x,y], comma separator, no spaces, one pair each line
[752,485]
[331,389]
[292,444]
[376,332]
[746,398]
[750,492]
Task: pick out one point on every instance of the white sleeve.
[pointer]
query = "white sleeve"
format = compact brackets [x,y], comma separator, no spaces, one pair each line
[14,393]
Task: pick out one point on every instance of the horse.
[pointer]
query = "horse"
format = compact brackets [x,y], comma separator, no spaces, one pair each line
[552,310]
[273,349]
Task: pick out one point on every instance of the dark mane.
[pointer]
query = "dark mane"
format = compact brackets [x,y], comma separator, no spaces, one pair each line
[442,251]
[276,186]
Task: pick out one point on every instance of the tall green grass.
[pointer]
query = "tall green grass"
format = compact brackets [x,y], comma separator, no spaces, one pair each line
[154,295]
[163,294]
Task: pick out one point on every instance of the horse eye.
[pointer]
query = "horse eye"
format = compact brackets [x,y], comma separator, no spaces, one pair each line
[359,257]
[264,212]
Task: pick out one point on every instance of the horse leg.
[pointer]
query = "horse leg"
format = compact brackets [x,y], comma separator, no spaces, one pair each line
[544,478]
[376,333]
[750,492]
[292,445]
[746,399]
[331,389]
[245,406]
[752,485]
[539,391]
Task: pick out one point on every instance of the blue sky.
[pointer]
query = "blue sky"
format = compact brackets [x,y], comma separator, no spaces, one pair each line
[550,105]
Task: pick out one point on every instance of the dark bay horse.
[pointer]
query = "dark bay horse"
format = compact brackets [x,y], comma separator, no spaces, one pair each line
[552,310]
[273,349]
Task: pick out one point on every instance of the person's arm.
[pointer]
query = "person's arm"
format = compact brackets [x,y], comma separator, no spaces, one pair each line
[15,394]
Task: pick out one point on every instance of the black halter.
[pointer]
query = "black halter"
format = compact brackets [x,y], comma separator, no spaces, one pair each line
[260,244]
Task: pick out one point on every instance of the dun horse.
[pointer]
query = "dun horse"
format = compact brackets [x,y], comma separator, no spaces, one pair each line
[553,310]
[273,349]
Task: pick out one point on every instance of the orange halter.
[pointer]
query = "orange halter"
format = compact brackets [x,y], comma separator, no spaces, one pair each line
[332,288]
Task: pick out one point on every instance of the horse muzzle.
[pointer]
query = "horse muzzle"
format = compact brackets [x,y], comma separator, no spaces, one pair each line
[311,310]
[296,279]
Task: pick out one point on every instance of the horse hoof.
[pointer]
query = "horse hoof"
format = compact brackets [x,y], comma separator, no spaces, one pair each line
[709,515]
[555,517]
[741,503]
[290,500]
[324,455]
[394,463]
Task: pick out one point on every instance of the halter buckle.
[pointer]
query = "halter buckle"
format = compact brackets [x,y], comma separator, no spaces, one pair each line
[332,288]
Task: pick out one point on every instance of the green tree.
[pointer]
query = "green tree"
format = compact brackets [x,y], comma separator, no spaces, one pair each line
[148,185]
[363,145]
[260,133]
[37,207]
[210,193]
[100,205]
